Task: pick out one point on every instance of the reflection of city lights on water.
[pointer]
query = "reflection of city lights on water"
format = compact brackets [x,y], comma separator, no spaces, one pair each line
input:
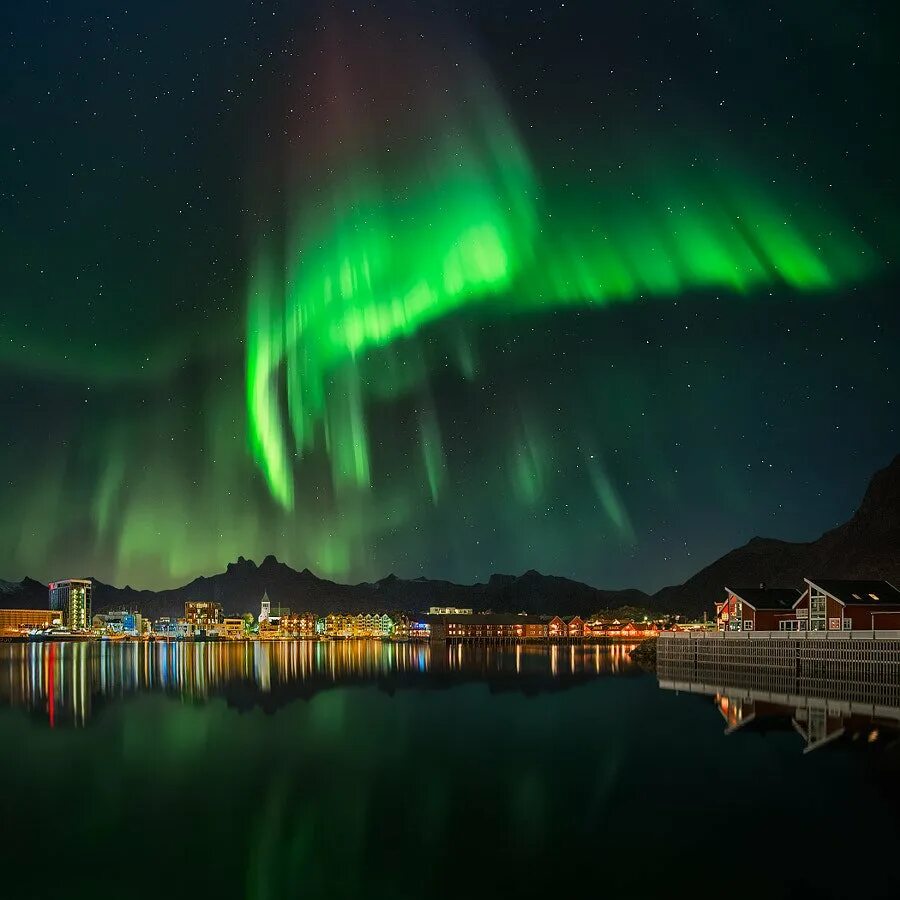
[63,681]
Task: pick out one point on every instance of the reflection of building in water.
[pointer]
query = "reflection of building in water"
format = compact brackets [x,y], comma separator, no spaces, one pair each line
[72,597]
[65,681]
[865,710]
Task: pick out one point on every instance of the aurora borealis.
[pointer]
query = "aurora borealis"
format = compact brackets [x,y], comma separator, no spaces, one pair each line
[442,289]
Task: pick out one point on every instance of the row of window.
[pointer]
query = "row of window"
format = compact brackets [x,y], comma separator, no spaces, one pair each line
[800,625]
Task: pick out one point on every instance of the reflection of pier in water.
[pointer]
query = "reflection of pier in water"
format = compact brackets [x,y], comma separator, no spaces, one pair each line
[66,682]
[861,713]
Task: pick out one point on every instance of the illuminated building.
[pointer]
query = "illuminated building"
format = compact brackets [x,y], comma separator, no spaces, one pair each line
[15,620]
[372,625]
[401,626]
[824,605]
[231,628]
[557,628]
[833,605]
[361,625]
[265,607]
[335,625]
[173,628]
[756,609]
[486,627]
[119,622]
[448,611]
[268,629]
[202,613]
[638,630]
[72,597]
[301,625]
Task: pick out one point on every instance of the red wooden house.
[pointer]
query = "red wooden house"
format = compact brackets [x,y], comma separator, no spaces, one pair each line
[556,628]
[757,609]
[838,605]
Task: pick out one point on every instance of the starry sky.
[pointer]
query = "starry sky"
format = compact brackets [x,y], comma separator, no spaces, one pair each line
[443,289]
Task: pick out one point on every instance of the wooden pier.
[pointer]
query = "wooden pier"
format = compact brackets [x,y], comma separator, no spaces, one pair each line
[814,662]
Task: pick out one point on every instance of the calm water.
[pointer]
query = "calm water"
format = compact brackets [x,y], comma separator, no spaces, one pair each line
[403,771]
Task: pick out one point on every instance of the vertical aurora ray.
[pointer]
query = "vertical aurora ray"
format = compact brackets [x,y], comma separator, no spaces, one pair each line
[432,452]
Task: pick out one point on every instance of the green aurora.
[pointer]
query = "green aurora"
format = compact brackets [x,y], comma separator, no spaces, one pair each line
[442,295]
[465,223]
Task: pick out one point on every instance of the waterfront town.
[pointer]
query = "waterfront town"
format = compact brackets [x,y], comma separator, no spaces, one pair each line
[69,616]
[821,605]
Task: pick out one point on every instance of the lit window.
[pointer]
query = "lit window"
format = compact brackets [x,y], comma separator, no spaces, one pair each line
[873,596]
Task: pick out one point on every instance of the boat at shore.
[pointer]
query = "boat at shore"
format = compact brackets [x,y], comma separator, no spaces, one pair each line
[61,634]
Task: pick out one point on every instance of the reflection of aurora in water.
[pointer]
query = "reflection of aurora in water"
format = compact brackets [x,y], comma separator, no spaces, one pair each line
[415,793]
[396,228]
[63,681]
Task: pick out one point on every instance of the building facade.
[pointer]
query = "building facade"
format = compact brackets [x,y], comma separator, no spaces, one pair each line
[757,609]
[120,621]
[14,621]
[845,605]
[72,598]
[486,627]
[823,605]
[173,628]
[298,625]
[202,613]
[572,627]
[360,625]
[230,628]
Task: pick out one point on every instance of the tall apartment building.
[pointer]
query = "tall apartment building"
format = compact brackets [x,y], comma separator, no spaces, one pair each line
[72,597]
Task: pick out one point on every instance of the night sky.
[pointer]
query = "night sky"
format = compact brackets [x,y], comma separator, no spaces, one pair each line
[443,289]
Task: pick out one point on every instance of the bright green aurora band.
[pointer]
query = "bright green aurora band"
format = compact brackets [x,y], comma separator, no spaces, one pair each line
[390,244]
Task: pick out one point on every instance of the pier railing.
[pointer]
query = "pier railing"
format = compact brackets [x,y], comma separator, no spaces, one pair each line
[857,635]
[820,660]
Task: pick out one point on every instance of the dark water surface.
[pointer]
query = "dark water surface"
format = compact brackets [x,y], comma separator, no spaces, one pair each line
[401,771]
